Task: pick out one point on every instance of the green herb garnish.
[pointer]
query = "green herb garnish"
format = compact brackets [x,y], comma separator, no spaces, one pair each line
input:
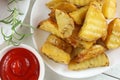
[12,18]
[11,1]
[15,37]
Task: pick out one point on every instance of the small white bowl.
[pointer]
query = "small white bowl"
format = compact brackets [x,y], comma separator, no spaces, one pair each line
[41,63]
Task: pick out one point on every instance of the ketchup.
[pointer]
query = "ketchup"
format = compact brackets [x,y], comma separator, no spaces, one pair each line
[19,64]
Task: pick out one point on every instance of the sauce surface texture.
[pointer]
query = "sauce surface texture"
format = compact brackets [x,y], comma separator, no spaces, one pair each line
[19,64]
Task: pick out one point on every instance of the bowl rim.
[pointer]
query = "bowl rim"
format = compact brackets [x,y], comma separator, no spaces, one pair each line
[34,51]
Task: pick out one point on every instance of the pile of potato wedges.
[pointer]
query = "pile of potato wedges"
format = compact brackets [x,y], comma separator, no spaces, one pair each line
[80,32]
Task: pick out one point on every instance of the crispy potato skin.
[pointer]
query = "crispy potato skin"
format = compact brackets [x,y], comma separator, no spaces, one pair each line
[113,38]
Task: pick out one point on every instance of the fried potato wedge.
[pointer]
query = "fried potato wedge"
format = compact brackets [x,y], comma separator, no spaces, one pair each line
[79,15]
[51,4]
[80,34]
[56,49]
[86,54]
[60,43]
[64,6]
[65,23]
[99,61]
[101,2]
[95,25]
[52,15]
[109,8]
[50,26]
[53,52]
[102,43]
[85,44]
[113,38]
[80,2]
[75,41]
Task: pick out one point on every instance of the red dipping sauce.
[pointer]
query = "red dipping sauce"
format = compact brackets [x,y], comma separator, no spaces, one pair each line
[19,64]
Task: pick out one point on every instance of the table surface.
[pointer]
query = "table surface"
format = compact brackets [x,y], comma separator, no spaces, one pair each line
[112,74]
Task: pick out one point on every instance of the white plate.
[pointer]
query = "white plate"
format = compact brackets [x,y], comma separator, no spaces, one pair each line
[23,7]
[39,13]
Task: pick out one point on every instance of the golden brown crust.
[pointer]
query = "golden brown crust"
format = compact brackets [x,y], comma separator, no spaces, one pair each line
[95,25]
[57,49]
[113,38]
[86,54]
[99,61]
